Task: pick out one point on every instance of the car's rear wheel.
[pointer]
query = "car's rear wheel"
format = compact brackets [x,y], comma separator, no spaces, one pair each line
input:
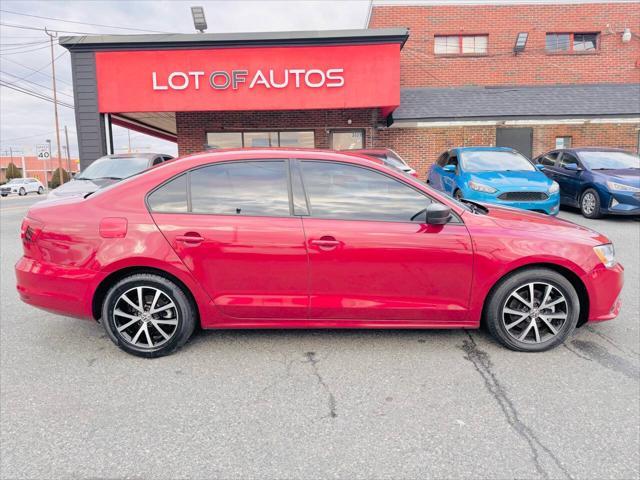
[22,192]
[40,190]
[533,310]
[148,315]
[590,204]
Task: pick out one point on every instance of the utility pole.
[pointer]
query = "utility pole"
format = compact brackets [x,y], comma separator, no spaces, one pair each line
[66,135]
[55,103]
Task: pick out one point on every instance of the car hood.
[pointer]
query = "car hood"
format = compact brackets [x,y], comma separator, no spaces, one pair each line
[625,176]
[523,220]
[80,187]
[519,180]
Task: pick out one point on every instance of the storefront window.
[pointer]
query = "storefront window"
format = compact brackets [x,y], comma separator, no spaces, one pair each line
[347,139]
[297,139]
[224,140]
[286,138]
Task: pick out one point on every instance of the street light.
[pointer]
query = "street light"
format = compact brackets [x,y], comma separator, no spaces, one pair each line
[199,21]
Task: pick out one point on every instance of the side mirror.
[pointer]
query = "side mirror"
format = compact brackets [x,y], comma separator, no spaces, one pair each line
[449,168]
[438,214]
[572,166]
[539,166]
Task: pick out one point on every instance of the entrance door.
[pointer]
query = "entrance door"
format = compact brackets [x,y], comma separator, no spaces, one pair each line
[236,234]
[520,139]
[371,258]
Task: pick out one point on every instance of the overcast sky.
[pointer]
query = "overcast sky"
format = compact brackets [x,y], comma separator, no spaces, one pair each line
[26,121]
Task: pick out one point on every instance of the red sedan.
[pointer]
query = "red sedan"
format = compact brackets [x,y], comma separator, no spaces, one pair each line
[307,239]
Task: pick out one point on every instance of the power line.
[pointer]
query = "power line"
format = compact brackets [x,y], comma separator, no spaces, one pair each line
[32,83]
[38,70]
[32,93]
[43,134]
[25,27]
[17,52]
[81,23]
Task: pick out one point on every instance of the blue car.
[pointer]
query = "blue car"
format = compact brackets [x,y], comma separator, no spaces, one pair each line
[495,175]
[599,181]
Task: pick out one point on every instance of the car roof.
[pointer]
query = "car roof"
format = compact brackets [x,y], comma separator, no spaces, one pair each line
[133,154]
[482,149]
[595,149]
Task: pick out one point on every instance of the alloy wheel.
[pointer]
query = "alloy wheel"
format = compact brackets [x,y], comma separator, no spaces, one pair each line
[145,317]
[535,312]
[588,203]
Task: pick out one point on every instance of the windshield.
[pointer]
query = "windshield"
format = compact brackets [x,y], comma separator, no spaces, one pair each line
[15,180]
[609,160]
[116,168]
[491,160]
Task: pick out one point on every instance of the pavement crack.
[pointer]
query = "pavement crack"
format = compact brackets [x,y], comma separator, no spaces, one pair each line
[313,361]
[607,359]
[576,353]
[612,342]
[483,365]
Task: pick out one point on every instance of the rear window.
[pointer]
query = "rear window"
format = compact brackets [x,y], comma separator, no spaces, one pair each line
[170,197]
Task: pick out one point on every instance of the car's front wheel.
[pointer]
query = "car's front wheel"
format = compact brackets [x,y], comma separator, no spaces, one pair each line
[148,315]
[532,310]
[458,195]
[590,204]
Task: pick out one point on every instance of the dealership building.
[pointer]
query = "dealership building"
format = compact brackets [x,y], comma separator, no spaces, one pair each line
[423,77]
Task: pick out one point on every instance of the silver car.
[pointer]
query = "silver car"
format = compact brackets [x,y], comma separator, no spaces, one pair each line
[106,171]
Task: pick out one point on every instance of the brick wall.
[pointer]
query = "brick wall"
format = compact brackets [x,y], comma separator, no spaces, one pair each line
[422,146]
[193,126]
[614,61]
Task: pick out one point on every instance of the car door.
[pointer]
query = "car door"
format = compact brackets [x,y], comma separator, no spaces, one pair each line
[449,179]
[369,261]
[231,224]
[570,181]
[437,171]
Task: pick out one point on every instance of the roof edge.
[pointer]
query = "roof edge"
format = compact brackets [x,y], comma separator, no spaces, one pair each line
[190,40]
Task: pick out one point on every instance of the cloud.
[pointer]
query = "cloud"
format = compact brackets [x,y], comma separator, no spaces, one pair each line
[26,121]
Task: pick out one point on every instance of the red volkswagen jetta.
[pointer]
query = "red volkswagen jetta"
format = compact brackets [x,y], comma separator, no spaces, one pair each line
[307,239]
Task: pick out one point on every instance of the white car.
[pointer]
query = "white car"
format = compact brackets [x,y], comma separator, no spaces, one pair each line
[22,186]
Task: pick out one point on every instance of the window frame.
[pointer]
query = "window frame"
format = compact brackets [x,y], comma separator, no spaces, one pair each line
[348,130]
[571,50]
[460,45]
[289,165]
[455,218]
[564,153]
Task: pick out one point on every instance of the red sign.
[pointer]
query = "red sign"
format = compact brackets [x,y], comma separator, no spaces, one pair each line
[259,78]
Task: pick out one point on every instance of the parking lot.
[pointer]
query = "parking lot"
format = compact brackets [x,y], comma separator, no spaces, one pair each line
[309,404]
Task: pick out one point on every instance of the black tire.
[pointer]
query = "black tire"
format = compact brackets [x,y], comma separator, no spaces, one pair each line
[4,194]
[40,190]
[502,294]
[457,194]
[185,314]
[590,204]
[22,192]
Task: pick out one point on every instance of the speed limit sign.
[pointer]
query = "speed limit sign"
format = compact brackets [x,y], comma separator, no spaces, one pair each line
[43,151]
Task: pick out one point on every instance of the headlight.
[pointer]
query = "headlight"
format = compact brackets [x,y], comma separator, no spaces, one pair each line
[621,188]
[606,254]
[479,187]
[554,188]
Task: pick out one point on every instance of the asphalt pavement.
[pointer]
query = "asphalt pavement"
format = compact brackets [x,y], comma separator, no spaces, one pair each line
[317,404]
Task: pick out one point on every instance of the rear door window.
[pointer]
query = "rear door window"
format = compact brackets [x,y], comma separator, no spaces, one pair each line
[255,188]
[170,197]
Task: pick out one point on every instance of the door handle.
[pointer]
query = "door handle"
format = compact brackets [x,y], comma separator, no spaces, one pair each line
[325,243]
[190,238]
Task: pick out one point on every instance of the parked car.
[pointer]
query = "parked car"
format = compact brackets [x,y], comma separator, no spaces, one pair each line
[292,238]
[22,186]
[389,157]
[599,181]
[107,170]
[495,175]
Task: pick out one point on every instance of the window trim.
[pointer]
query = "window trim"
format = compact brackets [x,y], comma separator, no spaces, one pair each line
[460,52]
[571,50]
[455,218]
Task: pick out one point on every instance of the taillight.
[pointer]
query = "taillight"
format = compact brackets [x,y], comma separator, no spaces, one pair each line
[30,230]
